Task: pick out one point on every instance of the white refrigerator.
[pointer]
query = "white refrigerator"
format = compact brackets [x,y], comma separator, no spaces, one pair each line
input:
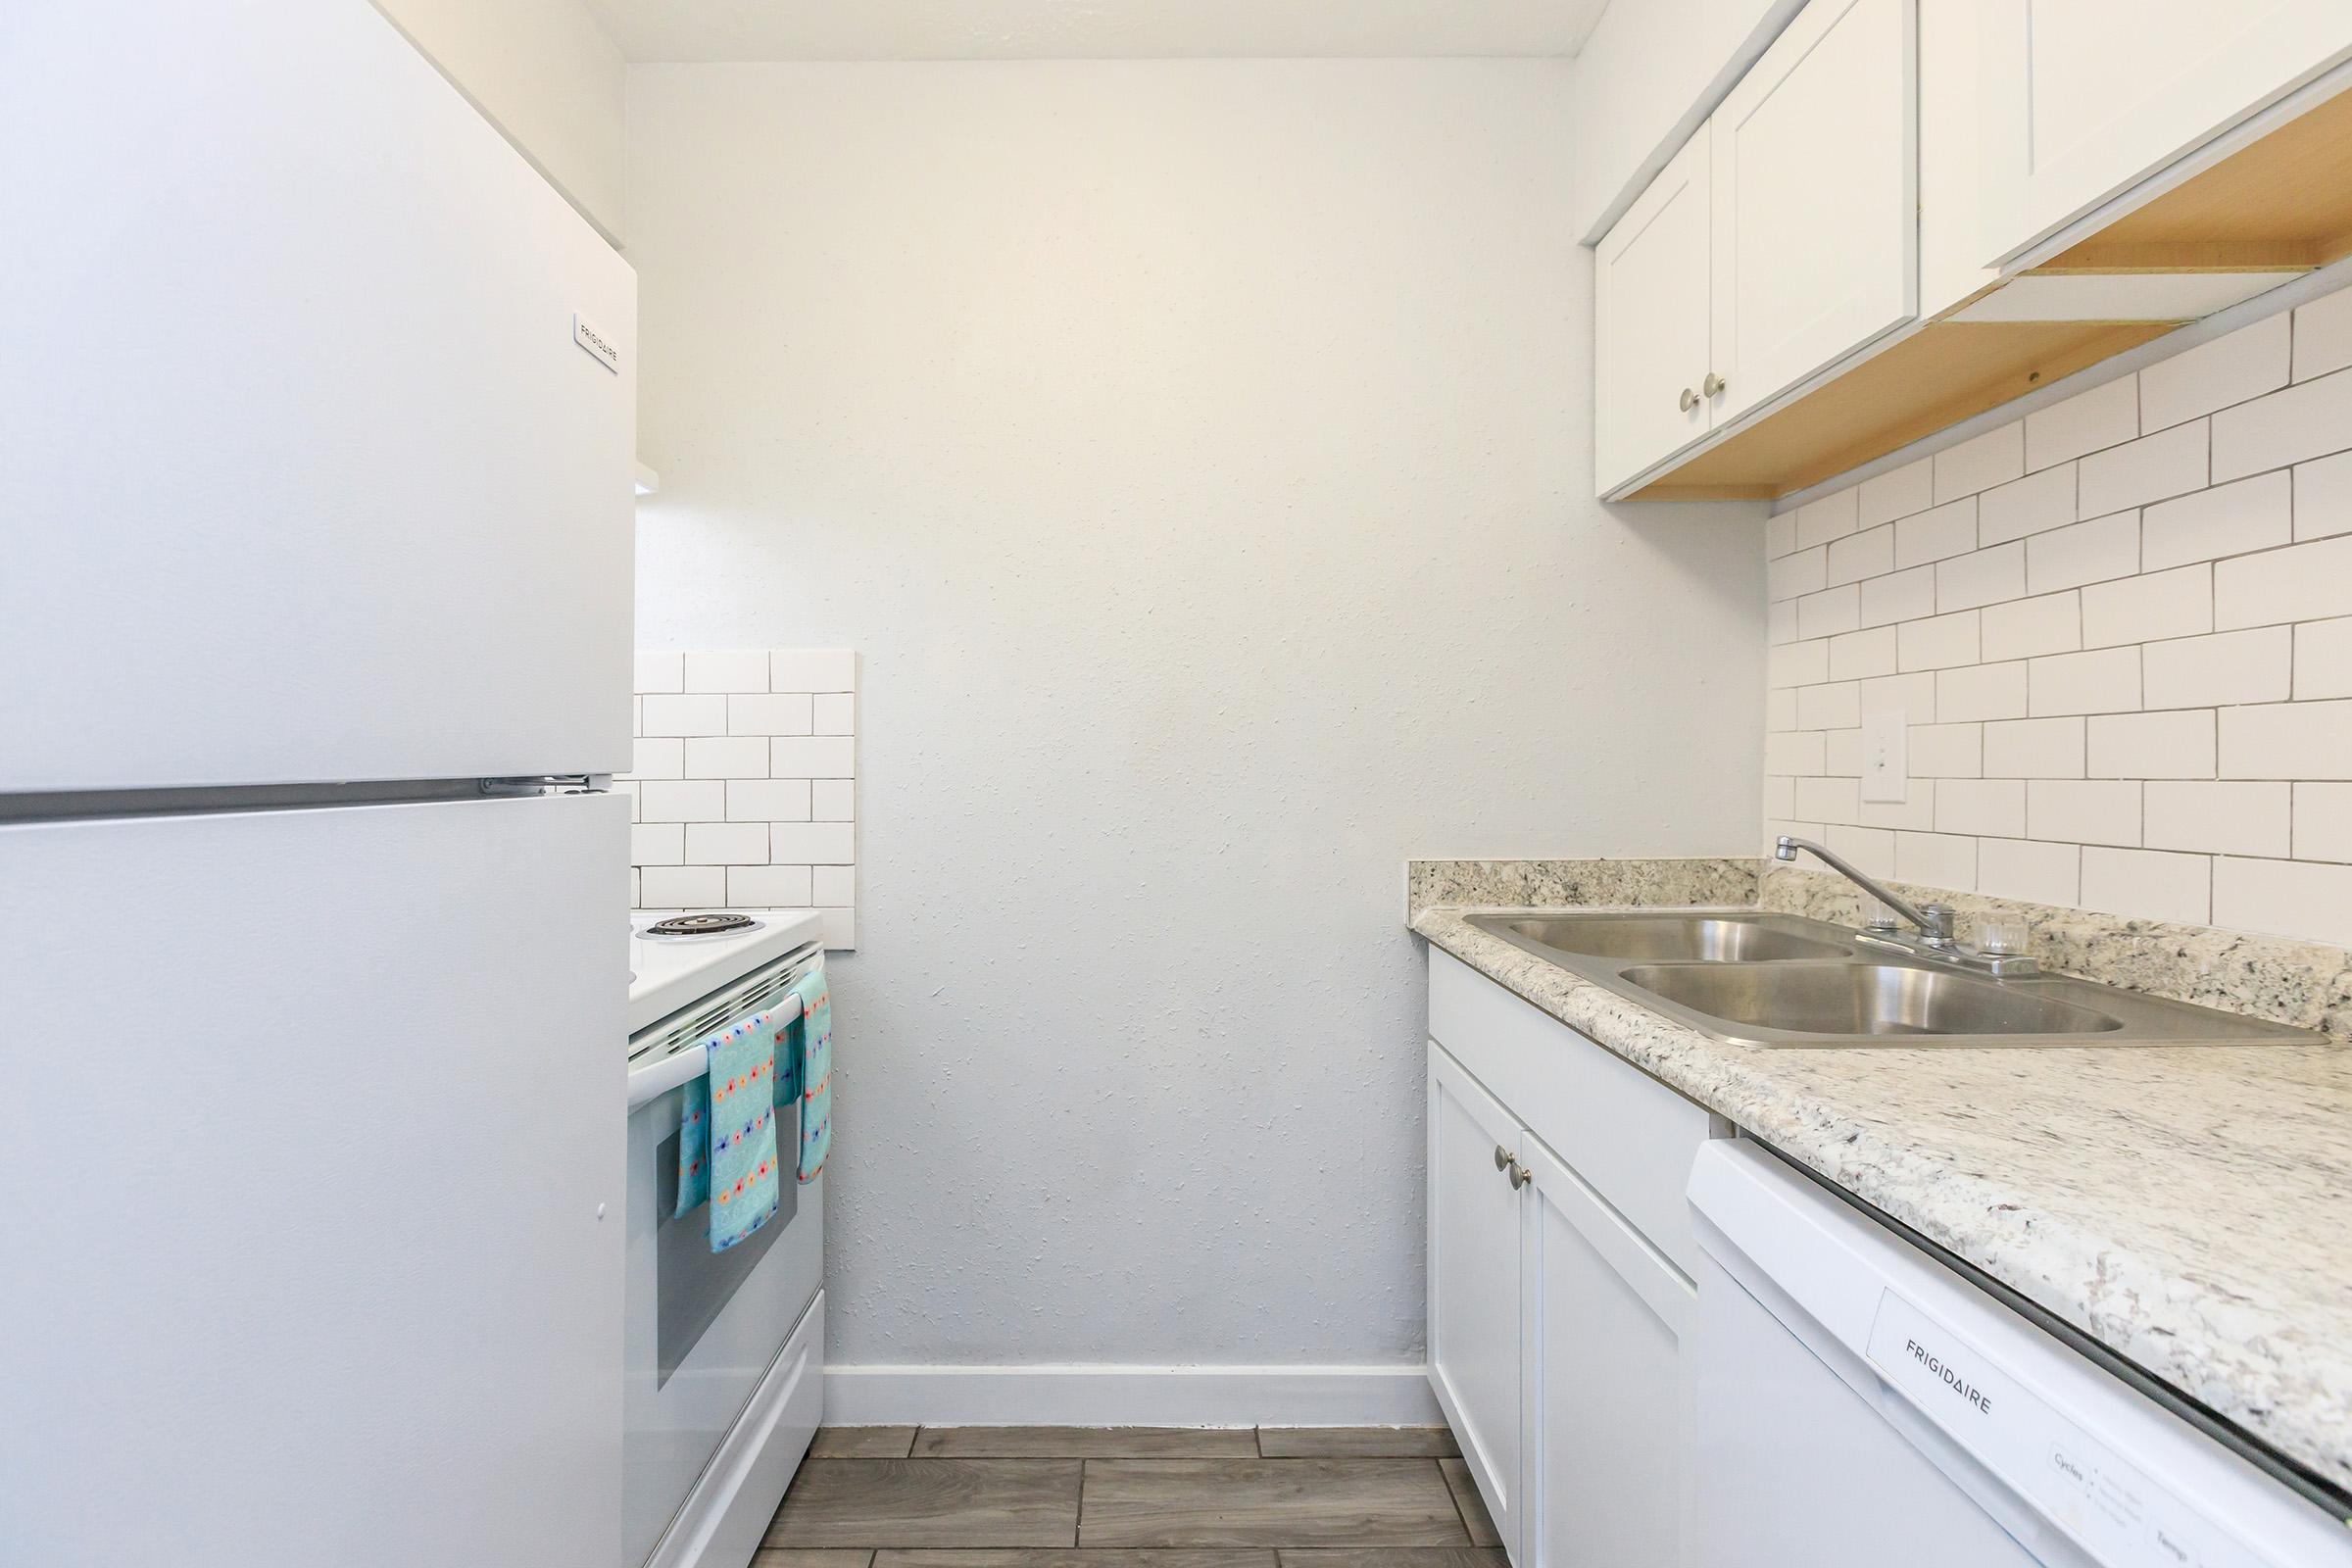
[317,417]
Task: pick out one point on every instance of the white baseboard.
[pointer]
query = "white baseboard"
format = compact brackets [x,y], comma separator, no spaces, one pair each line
[1129,1396]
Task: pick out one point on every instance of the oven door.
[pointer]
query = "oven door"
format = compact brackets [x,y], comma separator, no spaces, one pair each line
[703,1327]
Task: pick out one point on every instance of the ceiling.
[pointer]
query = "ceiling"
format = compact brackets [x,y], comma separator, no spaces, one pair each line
[1090,29]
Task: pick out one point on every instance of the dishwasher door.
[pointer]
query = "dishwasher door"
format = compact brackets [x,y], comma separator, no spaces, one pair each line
[1859,1404]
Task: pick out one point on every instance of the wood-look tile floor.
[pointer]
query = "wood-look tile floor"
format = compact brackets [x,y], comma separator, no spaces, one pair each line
[1131,1498]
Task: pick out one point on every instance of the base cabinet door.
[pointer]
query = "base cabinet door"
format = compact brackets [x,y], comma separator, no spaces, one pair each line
[1474,1285]
[1605,1402]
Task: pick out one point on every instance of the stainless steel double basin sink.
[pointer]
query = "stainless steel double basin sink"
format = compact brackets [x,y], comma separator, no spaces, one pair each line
[1782,980]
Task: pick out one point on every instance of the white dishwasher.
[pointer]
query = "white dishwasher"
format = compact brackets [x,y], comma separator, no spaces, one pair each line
[1859,1405]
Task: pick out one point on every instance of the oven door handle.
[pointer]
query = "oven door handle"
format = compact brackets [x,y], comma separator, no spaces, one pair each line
[658,1077]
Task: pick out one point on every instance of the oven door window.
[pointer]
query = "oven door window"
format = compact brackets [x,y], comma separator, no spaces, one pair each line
[695,1283]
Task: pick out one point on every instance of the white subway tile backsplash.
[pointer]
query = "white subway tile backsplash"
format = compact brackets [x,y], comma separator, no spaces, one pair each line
[813,669]
[1779,535]
[812,843]
[1937,859]
[2218,817]
[2323,503]
[1791,576]
[2035,748]
[746,779]
[2322,822]
[2082,810]
[1779,708]
[2170,463]
[1780,622]
[772,714]
[2020,628]
[836,755]
[836,713]
[2148,883]
[1796,663]
[1949,530]
[1982,577]
[681,887]
[1938,643]
[1868,554]
[834,884]
[1830,612]
[2244,363]
[2302,582]
[1946,751]
[2152,606]
[768,800]
[2035,504]
[2096,551]
[2309,419]
[1897,493]
[1912,695]
[1903,596]
[690,715]
[2175,745]
[1979,692]
[1993,807]
[728,669]
[681,801]
[2105,681]
[660,670]
[2322,659]
[2228,520]
[1915,812]
[1792,752]
[727,757]
[1836,706]
[1858,654]
[1869,848]
[2026,868]
[770,887]
[2236,667]
[1830,517]
[2287,741]
[2106,415]
[2292,898]
[1844,748]
[1827,799]
[1996,457]
[1780,797]
[2323,335]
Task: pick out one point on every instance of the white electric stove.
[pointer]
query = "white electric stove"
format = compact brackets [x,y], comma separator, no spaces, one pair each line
[724,1353]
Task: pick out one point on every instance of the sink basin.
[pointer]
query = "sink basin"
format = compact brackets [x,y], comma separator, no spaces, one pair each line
[1665,938]
[1862,998]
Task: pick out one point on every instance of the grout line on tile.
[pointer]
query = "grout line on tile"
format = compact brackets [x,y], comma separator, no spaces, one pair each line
[1460,1516]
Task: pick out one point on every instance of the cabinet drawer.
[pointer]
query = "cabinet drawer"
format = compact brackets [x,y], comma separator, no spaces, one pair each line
[1627,1136]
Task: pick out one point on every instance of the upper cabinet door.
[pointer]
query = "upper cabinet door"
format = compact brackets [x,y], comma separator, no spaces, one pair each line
[2083,99]
[1650,321]
[309,477]
[1816,234]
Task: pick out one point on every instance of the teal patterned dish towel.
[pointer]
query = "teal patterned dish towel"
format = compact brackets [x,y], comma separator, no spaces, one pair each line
[728,1131]
[812,1069]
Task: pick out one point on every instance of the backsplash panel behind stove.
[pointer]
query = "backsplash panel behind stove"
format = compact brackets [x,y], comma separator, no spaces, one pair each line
[744,794]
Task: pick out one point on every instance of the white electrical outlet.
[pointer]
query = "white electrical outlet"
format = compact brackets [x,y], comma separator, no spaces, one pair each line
[1885,761]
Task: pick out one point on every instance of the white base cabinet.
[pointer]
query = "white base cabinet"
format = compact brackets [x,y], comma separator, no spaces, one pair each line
[1560,1262]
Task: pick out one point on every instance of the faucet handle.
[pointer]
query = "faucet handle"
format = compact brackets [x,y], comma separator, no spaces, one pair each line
[1939,921]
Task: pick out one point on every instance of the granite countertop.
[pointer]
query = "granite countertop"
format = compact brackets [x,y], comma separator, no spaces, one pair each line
[2191,1208]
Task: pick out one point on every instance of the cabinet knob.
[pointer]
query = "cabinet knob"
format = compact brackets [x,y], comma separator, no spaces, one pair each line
[1502,1157]
[1689,400]
[1520,1175]
[1713,385]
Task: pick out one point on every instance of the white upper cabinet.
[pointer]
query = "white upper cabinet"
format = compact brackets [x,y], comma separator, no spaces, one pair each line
[1651,336]
[1816,196]
[2083,99]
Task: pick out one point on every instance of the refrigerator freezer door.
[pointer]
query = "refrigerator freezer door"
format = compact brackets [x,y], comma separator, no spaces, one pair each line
[312,1136]
[308,477]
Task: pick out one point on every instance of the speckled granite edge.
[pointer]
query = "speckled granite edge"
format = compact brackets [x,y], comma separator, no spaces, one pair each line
[1860,1120]
[1554,884]
[2306,984]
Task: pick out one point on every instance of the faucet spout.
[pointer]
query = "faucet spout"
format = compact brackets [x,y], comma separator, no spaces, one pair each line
[1934,922]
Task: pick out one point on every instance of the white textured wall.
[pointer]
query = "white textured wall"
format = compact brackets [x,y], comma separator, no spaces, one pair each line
[545,74]
[1198,452]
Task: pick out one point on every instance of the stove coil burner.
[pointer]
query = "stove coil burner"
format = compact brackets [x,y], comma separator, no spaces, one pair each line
[701,925]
